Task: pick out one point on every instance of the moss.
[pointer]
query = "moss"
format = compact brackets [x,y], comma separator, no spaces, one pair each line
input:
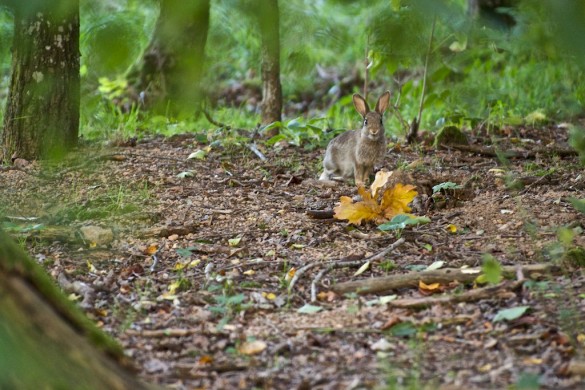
[450,135]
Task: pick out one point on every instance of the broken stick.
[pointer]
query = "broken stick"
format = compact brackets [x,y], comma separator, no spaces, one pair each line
[443,276]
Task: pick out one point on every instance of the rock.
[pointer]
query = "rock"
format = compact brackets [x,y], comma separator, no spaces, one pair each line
[96,235]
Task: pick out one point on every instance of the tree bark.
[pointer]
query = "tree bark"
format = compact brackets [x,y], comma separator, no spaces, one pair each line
[268,20]
[46,342]
[41,119]
[170,72]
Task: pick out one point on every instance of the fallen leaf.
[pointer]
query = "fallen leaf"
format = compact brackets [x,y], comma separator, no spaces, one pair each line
[151,250]
[205,359]
[309,309]
[396,200]
[362,269]
[367,209]
[198,154]
[290,274]
[269,296]
[511,314]
[380,181]
[252,347]
[451,228]
[234,241]
[91,267]
[249,272]
[435,265]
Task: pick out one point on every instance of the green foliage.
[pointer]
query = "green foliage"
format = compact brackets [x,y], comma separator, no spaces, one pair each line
[297,132]
[401,221]
[492,270]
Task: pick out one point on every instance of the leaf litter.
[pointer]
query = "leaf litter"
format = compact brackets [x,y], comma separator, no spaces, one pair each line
[194,284]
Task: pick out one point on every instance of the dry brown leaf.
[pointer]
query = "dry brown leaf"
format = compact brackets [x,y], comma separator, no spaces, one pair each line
[380,181]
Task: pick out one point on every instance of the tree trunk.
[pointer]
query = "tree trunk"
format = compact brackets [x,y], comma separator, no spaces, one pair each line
[42,112]
[268,19]
[169,74]
[46,342]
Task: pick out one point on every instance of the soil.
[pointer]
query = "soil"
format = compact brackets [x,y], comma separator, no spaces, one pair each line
[190,271]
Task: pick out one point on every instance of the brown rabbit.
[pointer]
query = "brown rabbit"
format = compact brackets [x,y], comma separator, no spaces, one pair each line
[354,153]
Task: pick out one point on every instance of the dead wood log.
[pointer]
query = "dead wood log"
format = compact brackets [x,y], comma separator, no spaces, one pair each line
[443,276]
[45,341]
[499,290]
[488,151]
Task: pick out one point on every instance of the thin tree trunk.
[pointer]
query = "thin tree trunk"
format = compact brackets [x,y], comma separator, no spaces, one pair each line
[169,75]
[268,19]
[42,112]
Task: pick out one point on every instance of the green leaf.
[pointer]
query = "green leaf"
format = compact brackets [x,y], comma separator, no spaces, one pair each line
[511,314]
[578,204]
[271,126]
[400,221]
[184,252]
[492,270]
[198,154]
[275,139]
[309,309]
[295,124]
[403,329]
[448,185]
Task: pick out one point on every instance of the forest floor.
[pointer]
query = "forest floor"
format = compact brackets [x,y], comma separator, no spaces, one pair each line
[188,263]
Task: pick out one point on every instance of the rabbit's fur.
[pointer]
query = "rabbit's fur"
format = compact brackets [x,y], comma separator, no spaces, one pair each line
[354,153]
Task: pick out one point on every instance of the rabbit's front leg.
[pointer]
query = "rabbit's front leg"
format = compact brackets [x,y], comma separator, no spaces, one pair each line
[360,174]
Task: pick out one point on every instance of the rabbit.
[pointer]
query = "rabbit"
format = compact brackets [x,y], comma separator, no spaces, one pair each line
[354,152]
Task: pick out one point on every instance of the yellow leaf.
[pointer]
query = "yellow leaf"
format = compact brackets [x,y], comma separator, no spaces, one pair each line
[269,296]
[532,361]
[452,228]
[252,347]
[249,272]
[152,249]
[173,287]
[355,213]
[92,244]
[396,200]
[234,241]
[179,266]
[362,269]
[91,267]
[379,182]
[290,274]
[581,338]
[433,286]
[194,263]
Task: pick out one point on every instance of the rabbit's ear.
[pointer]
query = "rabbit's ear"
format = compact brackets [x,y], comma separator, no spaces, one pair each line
[360,104]
[383,102]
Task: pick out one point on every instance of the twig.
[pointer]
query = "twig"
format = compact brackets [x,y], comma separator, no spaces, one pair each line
[257,152]
[412,135]
[212,121]
[353,263]
[469,296]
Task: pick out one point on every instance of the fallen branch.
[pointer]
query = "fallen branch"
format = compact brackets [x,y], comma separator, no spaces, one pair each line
[443,276]
[161,333]
[528,154]
[332,264]
[469,296]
